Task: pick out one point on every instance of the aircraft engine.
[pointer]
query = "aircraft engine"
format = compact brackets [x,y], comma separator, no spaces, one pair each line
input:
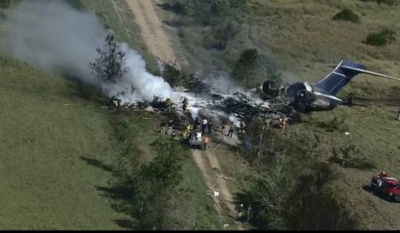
[267,85]
[298,91]
[321,104]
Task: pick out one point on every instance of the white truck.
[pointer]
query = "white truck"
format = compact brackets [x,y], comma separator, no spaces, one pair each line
[196,139]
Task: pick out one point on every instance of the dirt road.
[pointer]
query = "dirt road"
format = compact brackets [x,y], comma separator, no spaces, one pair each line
[152,29]
[158,44]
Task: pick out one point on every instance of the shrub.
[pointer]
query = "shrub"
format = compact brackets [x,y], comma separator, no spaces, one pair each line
[347,157]
[347,15]
[379,39]
[5,3]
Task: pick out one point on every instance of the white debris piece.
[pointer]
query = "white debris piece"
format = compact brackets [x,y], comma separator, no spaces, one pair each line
[216,193]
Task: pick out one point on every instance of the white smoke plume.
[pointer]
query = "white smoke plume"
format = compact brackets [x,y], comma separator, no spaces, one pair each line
[52,35]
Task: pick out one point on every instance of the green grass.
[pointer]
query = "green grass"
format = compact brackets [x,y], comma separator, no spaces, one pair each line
[45,184]
[202,204]
[301,37]
[57,148]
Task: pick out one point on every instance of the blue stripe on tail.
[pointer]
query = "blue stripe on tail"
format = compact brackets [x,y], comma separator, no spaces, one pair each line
[338,78]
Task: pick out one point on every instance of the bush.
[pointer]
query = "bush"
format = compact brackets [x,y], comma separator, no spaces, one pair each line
[379,39]
[346,157]
[290,188]
[246,66]
[347,15]
[5,3]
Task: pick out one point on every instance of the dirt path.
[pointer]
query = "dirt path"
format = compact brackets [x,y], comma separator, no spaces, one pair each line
[152,29]
[158,44]
[212,172]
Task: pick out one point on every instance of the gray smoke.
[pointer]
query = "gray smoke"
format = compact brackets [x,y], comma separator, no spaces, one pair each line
[51,35]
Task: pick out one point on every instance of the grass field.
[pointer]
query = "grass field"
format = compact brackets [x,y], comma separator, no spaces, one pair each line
[301,37]
[58,149]
[46,183]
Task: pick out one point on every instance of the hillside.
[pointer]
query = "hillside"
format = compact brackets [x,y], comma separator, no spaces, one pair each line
[300,38]
[62,152]
[68,163]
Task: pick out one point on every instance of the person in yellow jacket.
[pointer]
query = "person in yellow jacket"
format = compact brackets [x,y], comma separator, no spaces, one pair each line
[168,102]
[259,88]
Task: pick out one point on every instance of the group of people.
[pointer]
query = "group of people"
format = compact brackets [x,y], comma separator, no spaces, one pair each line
[204,124]
[168,104]
[244,215]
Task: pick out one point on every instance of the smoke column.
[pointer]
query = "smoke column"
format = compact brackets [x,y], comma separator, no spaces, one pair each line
[52,35]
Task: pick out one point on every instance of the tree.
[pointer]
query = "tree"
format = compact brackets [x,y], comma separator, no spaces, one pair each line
[5,3]
[246,67]
[155,187]
[379,39]
[110,66]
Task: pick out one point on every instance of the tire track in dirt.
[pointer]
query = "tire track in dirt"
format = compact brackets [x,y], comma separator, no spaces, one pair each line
[151,29]
[210,167]
[159,46]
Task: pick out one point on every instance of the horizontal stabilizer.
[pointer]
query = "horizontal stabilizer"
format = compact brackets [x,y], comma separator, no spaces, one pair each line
[371,73]
[341,76]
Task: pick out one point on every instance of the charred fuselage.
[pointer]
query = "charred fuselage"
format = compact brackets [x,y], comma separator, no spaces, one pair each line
[302,96]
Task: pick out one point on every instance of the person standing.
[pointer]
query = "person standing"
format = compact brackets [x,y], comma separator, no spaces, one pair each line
[170,127]
[163,125]
[210,125]
[204,125]
[223,125]
[231,129]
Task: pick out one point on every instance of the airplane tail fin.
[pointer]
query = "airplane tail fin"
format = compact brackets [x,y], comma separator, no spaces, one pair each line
[341,76]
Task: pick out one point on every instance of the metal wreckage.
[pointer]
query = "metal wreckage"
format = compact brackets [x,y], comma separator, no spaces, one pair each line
[269,103]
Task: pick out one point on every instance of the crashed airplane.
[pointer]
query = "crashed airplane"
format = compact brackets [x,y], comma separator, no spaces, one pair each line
[289,100]
[320,96]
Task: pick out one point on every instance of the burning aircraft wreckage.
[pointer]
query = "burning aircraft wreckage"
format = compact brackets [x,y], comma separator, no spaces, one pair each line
[266,102]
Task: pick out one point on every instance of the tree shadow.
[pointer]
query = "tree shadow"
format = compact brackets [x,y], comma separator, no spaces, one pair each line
[125,223]
[117,192]
[177,8]
[97,163]
[247,198]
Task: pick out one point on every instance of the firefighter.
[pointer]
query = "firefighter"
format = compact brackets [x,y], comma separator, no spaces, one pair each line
[205,140]
[242,126]
[383,174]
[281,90]
[185,103]
[163,125]
[168,103]
[259,88]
